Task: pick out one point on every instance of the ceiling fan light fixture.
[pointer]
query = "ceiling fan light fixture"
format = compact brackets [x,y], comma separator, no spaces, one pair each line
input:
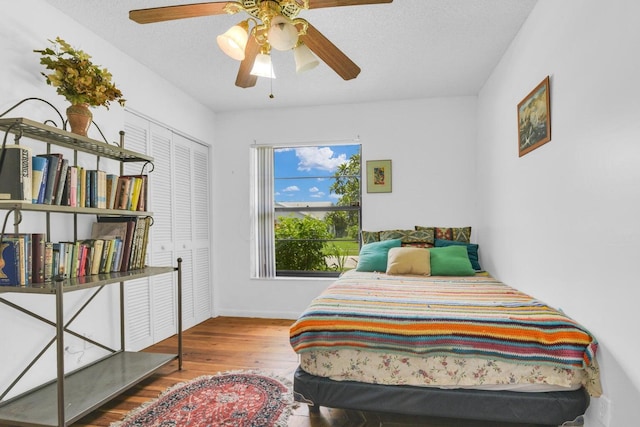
[305,59]
[234,41]
[282,35]
[262,67]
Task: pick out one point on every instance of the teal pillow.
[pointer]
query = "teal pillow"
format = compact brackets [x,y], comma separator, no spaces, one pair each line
[450,261]
[373,256]
[472,251]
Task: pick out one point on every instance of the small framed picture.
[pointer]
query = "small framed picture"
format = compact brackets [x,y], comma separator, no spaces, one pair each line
[378,176]
[534,119]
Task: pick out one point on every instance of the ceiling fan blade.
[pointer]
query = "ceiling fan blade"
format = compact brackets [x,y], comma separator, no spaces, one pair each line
[245,79]
[168,13]
[316,4]
[330,54]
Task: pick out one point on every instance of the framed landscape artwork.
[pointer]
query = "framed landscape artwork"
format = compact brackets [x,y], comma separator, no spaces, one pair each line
[534,119]
[379,176]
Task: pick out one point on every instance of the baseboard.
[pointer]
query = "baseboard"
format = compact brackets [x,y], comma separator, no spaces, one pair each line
[257,314]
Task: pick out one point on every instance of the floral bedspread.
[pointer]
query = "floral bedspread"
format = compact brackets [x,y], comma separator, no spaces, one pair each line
[443,332]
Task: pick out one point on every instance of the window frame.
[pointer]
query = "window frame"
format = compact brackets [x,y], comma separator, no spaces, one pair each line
[262,243]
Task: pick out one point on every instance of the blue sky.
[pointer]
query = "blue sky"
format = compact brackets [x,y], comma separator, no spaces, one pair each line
[312,169]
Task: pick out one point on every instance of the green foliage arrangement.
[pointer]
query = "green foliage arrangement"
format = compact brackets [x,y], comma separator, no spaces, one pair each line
[299,243]
[76,78]
[347,186]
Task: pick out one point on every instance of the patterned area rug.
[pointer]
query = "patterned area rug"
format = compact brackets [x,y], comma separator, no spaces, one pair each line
[231,399]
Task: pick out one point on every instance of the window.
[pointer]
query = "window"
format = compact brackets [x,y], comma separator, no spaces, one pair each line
[306,210]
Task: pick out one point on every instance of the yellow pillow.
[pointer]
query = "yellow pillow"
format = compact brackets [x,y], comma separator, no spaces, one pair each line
[408,260]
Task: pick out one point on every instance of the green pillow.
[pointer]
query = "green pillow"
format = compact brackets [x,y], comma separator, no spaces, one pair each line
[472,251]
[451,261]
[373,256]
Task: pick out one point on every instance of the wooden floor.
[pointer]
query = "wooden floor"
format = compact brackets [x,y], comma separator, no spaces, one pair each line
[226,344]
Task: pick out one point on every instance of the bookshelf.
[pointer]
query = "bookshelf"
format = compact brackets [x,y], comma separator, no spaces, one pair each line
[72,395]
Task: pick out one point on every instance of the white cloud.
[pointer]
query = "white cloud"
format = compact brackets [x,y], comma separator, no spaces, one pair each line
[321,158]
[291,188]
[314,190]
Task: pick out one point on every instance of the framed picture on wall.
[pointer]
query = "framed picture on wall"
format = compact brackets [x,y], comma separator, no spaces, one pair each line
[378,176]
[534,119]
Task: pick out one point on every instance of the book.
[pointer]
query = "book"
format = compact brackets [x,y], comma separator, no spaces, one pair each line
[24,256]
[38,174]
[98,246]
[16,174]
[117,256]
[138,244]
[109,231]
[109,255]
[73,186]
[142,202]
[112,185]
[85,261]
[145,241]
[59,260]
[75,259]
[105,255]
[82,186]
[62,179]
[91,192]
[68,258]
[138,193]
[9,262]
[135,192]
[53,175]
[56,260]
[65,200]
[38,257]
[122,192]
[102,189]
[130,223]
[48,261]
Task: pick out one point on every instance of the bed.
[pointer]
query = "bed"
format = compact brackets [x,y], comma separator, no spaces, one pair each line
[467,347]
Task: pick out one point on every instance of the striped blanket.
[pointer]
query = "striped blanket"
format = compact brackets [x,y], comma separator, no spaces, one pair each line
[477,317]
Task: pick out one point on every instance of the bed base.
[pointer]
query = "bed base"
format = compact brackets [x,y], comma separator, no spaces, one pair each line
[547,408]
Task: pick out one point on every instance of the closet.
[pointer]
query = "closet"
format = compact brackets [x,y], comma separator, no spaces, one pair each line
[179,197]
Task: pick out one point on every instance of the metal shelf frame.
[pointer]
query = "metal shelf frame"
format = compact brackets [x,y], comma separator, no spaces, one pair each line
[72,395]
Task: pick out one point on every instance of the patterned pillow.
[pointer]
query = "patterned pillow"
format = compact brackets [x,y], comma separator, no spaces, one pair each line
[418,245]
[410,236]
[370,236]
[459,234]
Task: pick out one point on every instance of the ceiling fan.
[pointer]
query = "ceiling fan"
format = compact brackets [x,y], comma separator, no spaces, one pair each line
[275,25]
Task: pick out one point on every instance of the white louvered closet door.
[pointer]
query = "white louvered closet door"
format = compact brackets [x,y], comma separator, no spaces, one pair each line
[180,202]
[161,244]
[189,196]
[202,240]
[138,306]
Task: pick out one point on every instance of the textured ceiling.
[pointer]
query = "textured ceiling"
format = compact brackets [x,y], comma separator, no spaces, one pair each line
[406,49]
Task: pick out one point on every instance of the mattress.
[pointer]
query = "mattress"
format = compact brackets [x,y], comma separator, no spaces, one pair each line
[446,332]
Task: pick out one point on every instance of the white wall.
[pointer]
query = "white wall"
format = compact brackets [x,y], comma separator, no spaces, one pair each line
[562,221]
[431,145]
[26,25]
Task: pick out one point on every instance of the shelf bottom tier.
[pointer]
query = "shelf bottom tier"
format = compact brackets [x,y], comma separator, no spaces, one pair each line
[85,390]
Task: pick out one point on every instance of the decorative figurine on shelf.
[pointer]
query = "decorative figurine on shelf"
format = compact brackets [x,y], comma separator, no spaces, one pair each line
[81,82]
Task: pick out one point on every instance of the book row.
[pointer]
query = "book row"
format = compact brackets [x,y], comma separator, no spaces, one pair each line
[117,244]
[50,179]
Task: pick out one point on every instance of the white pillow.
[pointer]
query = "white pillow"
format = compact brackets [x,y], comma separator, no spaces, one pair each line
[409,260]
